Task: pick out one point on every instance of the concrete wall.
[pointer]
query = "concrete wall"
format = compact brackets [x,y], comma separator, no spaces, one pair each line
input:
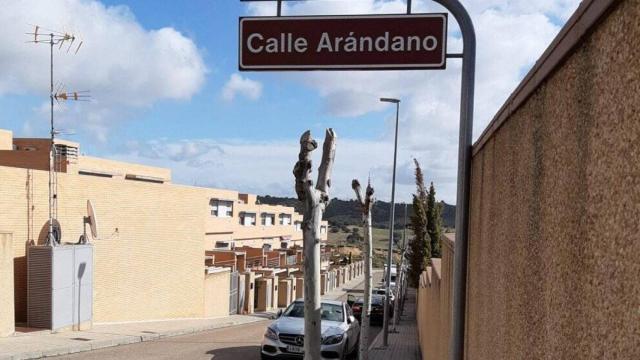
[6,139]
[555,233]
[434,304]
[216,293]
[6,285]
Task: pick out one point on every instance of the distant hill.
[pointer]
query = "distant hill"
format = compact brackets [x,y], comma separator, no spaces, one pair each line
[346,212]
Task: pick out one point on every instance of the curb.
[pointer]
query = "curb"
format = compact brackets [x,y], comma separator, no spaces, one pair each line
[124,340]
[375,341]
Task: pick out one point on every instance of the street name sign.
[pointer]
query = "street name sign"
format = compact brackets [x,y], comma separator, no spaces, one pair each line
[363,42]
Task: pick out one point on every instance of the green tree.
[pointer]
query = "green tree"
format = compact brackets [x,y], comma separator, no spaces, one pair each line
[419,250]
[434,222]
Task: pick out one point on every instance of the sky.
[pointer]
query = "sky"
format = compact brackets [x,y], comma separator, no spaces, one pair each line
[166,90]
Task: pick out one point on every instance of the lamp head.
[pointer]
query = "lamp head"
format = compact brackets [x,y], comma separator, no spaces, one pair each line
[391,100]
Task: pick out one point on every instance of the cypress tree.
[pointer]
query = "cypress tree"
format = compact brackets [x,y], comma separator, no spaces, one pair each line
[419,247]
[434,222]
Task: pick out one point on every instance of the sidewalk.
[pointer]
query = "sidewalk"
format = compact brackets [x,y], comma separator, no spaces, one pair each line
[42,343]
[30,345]
[404,343]
[355,285]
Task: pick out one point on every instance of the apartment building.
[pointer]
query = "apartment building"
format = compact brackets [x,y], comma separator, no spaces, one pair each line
[149,257]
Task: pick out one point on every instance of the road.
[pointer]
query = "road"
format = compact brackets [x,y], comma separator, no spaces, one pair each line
[240,342]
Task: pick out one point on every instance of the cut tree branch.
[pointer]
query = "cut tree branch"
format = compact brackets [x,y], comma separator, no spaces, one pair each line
[326,165]
[302,169]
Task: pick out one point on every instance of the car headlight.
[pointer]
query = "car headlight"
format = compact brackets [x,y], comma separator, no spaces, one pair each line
[271,334]
[333,339]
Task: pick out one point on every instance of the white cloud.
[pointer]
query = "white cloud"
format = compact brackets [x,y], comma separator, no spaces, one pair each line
[239,85]
[266,167]
[428,113]
[510,38]
[125,66]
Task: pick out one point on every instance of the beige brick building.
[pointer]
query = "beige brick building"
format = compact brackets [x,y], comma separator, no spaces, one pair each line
[149,259]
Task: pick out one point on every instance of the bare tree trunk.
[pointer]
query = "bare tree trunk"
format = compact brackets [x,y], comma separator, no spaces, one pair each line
[315,202]
[365,319]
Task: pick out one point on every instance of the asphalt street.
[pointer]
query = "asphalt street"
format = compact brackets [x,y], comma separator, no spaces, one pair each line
[240,342]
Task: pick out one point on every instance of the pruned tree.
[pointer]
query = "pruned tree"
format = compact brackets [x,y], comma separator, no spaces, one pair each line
[366,204]
[315,200]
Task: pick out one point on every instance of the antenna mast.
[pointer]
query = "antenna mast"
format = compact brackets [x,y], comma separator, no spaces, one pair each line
[52,38]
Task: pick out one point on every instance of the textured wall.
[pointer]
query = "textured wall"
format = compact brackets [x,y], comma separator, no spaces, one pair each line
[434,304]
[150,268]
[216,294]
[554,269]
[6,285]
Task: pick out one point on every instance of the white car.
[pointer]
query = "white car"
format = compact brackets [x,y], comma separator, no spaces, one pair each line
[383,291]
[284,338]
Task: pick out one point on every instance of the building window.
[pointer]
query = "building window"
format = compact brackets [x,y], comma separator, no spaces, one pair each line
[95,173]
[298,225]
[144,178]
[248,219]
[225,245]
[221,208]
[323,229]
[268,219]
[285,219]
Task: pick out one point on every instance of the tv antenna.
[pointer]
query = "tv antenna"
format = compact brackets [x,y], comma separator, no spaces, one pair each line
[56,38]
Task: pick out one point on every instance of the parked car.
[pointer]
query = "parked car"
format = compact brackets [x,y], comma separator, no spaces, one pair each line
[377,309]
[284,338]
[383,291]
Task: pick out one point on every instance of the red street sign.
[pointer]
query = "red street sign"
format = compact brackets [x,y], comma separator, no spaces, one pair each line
[365,42]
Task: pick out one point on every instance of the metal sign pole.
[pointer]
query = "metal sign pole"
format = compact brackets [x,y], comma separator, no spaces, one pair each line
[464,176]
[464,168]
[387,286]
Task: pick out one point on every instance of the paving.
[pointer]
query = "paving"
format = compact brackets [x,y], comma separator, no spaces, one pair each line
[403,343]
[28,344]
[355,287]
[229,343]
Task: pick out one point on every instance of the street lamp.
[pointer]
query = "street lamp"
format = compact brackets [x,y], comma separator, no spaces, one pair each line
[385,326]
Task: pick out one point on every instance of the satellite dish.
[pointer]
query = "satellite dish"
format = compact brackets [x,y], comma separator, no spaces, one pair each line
[93,224]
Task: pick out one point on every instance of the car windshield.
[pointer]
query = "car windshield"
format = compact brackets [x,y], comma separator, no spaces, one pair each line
[375,299]
[330,312]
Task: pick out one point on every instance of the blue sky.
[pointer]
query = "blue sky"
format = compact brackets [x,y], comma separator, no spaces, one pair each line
[166,90]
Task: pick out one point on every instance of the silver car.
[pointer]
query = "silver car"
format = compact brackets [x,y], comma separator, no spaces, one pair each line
[284,338]
[382,291]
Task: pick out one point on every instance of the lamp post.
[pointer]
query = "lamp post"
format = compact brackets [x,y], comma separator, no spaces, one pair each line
[385,327]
